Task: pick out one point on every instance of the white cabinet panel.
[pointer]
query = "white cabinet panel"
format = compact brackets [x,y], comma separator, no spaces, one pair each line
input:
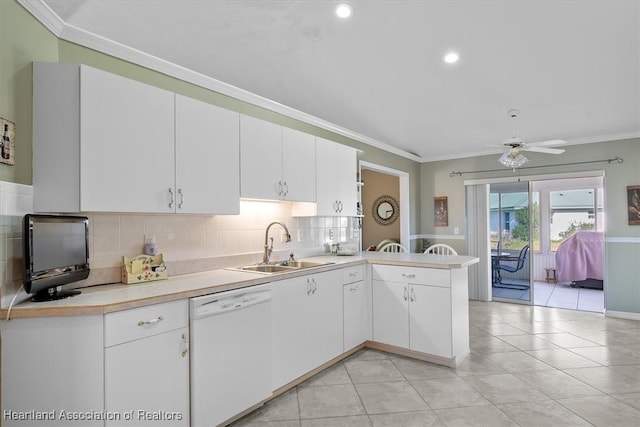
[142,322]
[327,178]
[260,159]
[347,177]
[421,276]
[327,322]
[307,324]
[430,320]
[356,314]
[126,134]
[207,153]
[149,376]
[298,165]
[391,313]
[53,364]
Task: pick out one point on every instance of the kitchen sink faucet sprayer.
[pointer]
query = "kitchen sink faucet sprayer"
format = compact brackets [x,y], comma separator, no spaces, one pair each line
[268,249]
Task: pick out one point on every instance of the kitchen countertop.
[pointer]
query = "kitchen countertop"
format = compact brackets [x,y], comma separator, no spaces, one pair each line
[102,299]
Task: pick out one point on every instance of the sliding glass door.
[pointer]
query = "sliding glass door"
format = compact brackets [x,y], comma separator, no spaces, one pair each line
[513,222]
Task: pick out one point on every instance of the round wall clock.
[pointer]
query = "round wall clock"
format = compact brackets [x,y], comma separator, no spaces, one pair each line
[385,210]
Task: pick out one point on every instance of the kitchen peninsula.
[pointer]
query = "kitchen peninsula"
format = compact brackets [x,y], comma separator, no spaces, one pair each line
[120,347]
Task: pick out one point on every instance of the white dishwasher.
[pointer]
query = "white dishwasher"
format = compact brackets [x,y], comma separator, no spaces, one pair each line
[230,352]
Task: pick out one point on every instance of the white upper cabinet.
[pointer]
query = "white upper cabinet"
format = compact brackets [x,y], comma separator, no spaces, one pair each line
[207,158]
[126,144]
[336,190]
[104,143]
[298,165]
[260,159]
[276,163]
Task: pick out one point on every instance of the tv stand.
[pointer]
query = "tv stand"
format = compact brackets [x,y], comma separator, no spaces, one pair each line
[52,294]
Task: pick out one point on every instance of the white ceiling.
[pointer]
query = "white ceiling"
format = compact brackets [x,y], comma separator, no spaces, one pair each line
[571,67]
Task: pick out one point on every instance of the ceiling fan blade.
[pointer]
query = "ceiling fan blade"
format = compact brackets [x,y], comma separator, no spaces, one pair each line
[548,143]
[546,150]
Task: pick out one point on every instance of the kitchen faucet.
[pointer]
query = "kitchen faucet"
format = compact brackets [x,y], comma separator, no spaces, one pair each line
[268,249]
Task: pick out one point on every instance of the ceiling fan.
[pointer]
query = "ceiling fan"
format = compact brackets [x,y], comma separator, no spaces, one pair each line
[512,147]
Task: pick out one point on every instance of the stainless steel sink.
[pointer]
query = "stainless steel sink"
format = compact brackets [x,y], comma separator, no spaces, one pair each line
[280,267]
[266,268]
[305,264]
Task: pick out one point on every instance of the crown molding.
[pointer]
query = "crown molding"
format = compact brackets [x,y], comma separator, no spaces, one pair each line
[64,31]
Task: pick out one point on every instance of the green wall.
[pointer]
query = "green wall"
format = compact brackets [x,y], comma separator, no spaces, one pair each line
[22,41]
[622,284]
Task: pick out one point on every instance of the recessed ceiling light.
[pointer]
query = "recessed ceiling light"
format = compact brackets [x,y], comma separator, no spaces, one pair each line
[344,10]
[451,57]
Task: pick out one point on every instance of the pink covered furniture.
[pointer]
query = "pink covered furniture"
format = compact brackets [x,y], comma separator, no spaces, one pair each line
[580,258]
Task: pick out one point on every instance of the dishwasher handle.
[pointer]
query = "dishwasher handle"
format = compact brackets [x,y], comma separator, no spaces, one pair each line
[225,304]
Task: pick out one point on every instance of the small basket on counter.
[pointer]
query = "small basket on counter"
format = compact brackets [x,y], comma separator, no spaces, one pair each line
[143,268]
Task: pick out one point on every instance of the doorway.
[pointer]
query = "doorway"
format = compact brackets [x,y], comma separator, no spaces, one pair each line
[561,208]
[510,231]
[403,199]
[569,243]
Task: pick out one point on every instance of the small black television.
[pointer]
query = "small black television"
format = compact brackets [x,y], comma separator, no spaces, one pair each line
[56,252]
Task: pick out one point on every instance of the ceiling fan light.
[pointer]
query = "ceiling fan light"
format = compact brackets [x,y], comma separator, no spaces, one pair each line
[513,159]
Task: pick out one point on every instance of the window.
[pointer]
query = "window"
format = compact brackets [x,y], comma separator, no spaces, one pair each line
[570,211]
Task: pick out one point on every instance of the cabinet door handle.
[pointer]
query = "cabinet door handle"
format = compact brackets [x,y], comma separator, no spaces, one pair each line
[185,342]
[404,294]
[354,288]
[173,199]
[353,274]
[181,198]
[286,188]
[151,322]
[308,286]
[315,286]
[413,295]
[408,276]
[335,206]
[280,187]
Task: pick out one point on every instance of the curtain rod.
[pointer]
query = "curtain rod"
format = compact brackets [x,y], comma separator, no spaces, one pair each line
[615,159]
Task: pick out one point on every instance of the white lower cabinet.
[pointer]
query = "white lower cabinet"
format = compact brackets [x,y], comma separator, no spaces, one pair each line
[422,309]
[390,313]
[52,366]
[307,324]
[146,365]
[356,300]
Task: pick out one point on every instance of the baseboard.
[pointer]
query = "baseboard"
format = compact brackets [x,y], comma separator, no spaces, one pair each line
[439,360]
[622,315]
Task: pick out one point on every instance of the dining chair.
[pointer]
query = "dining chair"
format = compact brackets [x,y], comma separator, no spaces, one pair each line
[440,249]
[393,247]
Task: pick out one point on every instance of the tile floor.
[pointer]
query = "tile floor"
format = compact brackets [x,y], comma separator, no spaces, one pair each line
[556,295]
[529,366]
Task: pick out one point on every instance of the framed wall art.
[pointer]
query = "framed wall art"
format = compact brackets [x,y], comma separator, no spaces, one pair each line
[385,210]
[441,211]
[633,204]
[7,142]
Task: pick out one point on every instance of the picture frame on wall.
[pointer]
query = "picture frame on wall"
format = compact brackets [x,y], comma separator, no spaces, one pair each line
[7,142]
[633,204]
[441,211]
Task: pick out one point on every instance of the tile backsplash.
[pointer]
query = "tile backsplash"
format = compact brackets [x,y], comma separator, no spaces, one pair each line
[16,200]
[189,243]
